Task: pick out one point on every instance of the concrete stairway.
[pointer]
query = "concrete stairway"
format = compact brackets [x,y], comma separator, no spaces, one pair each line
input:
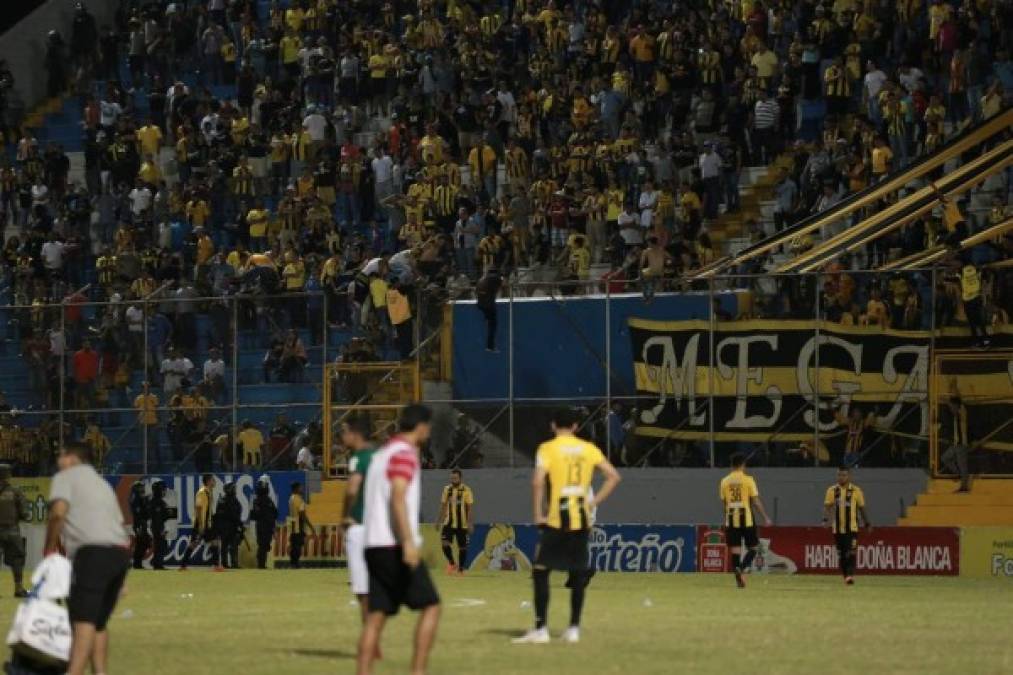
[327,506]
[990,503]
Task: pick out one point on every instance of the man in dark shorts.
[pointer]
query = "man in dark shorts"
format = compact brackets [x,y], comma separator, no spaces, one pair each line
[13,510]
[740,497]
[397,575]
[86,521]
[844,513]
[457,517]
[568,464]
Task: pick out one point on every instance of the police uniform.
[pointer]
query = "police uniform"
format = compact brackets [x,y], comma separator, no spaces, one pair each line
[228,522]
[160,514]
[264,514]
[13,510]
[140,514]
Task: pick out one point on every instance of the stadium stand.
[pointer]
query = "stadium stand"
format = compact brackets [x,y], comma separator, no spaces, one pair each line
[245,169]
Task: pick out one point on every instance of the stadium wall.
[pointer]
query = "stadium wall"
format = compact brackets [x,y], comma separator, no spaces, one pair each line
[792,496]
[559,343]
[24,45]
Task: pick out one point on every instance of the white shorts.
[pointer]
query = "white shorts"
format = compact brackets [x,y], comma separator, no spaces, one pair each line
[355,553]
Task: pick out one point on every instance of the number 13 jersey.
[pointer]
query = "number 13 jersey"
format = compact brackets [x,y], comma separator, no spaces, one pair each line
[569,463]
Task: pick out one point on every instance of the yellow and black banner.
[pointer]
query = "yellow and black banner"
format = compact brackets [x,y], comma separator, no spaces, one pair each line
[779,380]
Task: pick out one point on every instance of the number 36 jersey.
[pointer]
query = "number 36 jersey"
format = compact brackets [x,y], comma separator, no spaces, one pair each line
[737,491]
[569,463]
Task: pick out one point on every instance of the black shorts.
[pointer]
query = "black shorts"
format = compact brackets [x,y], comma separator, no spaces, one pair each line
[12,545]
[736,536]
[460,535]
[99,572]
[392,583]
[846,543]
[562,550]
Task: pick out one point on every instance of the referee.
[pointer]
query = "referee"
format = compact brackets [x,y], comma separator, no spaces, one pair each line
[842,506]
[85,519]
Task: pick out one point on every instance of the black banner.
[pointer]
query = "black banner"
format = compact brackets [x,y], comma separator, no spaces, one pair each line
[778,380]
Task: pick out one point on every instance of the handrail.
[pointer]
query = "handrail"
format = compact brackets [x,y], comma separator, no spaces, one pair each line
[897,214]
[935,252]
[961,143]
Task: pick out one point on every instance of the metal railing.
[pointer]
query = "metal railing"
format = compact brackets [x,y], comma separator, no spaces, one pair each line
[781,362]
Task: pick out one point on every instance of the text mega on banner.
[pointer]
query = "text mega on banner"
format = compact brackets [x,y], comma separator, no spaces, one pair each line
[886,550]
[760,378]
[987,552]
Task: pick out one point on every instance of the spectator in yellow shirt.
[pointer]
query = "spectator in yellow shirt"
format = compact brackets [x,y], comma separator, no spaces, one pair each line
[251,441]
[882,157]
[149,171]
[146,405]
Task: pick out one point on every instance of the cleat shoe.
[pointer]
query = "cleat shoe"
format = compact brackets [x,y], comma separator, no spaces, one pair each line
[218,568]
[451,569]
[571,635]
[739,581]
[536,636]
[850,581]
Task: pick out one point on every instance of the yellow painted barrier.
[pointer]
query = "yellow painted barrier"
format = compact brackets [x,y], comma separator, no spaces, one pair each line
[986,552]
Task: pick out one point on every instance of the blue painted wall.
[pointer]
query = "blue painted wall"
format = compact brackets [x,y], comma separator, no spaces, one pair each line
[559,344]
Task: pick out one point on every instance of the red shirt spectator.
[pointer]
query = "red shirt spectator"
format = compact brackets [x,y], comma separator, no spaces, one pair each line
[85,364]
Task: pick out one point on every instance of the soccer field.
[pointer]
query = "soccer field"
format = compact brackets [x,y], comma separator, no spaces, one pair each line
[270,622]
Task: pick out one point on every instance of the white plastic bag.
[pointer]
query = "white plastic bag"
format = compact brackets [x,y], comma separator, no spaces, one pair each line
[41,630]
[51,579]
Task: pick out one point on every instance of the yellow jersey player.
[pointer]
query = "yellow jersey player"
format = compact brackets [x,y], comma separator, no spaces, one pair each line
[456,516]
[203,505]
[567,464]
[843,511]
[739,496]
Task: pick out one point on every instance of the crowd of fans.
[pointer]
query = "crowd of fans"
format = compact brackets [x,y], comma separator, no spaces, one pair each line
[364,151]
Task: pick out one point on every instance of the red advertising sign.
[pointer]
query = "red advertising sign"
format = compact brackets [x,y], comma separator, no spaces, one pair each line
[811,550]
[712,551]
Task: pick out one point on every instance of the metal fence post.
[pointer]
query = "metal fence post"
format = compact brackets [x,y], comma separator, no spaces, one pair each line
[63,367]
[710,370]
[816,379]
[608,369]
[235,381]
[144,375]
[510,366]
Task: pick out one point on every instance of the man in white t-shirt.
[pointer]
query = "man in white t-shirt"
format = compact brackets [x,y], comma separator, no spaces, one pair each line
[175,369]
[629,227]
[873,83]
[397,575]
[52,253]
[383,175]
[140,201]
[304,460]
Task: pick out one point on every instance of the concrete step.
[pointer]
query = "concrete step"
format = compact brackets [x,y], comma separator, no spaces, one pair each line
[958,500]
[993,486]
[947,517]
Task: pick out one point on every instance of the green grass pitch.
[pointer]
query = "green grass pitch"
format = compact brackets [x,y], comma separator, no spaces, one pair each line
[301,622]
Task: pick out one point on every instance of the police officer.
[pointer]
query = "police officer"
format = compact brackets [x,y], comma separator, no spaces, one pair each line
[159,513]
[228,523]
[265,515]
[140,513]
[13,510]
